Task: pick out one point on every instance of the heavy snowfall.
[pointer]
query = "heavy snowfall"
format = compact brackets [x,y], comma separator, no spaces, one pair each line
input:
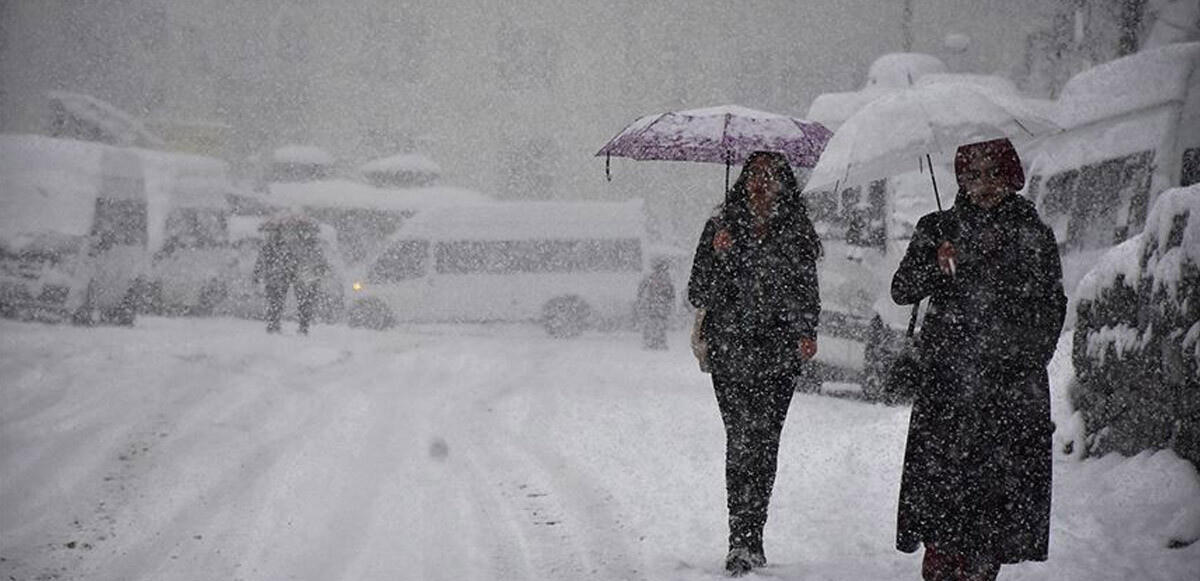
[354,291]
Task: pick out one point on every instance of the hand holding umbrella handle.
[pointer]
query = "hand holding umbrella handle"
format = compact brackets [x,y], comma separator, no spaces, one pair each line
[947,258]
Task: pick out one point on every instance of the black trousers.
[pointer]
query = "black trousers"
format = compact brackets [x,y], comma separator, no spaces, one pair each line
[754,401]
[306,293]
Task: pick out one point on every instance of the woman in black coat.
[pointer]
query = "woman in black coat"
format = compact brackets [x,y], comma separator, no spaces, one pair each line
[976,484]
[755,276]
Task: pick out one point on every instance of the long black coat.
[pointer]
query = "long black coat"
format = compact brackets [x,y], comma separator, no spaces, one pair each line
[760,295]
[977,467]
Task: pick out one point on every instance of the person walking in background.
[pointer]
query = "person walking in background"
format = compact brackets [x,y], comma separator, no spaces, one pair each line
[290,257]
[975,490]
[754,283]
[655,299]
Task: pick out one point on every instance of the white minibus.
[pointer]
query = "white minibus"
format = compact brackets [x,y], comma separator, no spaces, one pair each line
[568,265]
[1131,131]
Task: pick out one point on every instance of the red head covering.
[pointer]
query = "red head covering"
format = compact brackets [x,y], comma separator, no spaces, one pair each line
[999,150]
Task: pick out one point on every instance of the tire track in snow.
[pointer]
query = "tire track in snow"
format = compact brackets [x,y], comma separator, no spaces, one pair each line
[563,517]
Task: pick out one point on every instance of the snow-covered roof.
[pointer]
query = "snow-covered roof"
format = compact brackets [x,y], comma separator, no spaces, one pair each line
[302,154]
[524,220]
[47,185]
[902,69]
[832,109]
[50,185]
[119,125]
[989,82]
[351,194]
[1131,83]
[404,162]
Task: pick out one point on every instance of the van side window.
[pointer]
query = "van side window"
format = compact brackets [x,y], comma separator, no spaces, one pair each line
[1098,204]
[1190,172]
[1058,200]
[405,259]
[538,256]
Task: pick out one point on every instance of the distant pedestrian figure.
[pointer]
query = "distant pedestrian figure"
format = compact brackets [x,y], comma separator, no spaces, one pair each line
[755,280]
[656,298]
[290,257]
[976,483]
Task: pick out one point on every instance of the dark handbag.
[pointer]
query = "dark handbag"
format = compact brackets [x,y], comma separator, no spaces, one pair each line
[907,374]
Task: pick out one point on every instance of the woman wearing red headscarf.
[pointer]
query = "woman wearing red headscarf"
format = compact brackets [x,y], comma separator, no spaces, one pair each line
[976,484]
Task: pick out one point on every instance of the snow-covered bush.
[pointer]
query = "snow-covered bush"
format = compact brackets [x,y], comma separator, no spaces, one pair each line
[1137,339]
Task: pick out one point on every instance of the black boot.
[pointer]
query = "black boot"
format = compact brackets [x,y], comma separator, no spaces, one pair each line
[738,562]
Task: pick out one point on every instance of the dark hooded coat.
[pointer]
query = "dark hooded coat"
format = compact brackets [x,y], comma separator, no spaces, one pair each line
[977,468]
[760,295]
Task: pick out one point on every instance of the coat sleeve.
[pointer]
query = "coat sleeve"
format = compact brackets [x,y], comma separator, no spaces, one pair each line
[1050,302]
[804,304]
[804,309]
[918,275]
[702,282]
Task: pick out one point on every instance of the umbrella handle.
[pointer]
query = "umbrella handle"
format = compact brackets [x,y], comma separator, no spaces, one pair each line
[728,163]
[937,197]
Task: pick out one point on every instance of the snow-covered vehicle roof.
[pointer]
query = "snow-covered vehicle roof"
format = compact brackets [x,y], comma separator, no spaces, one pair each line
[50,184]
[902,69]
[832,109]
[525,220]
[1119,108]
[122,128]
[402,163]
[351,194]
[1135,82]
[302,154]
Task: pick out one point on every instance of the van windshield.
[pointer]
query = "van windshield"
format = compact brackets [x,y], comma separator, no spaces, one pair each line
[119,221]
[196,228]
[403,260]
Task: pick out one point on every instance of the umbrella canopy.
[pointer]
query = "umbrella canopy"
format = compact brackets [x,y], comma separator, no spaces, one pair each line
[899,132]
[727,134]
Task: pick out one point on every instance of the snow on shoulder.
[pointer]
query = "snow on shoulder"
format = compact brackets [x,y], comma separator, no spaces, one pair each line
[531,220]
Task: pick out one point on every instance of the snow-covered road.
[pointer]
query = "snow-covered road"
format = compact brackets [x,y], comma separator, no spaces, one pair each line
[204,449]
